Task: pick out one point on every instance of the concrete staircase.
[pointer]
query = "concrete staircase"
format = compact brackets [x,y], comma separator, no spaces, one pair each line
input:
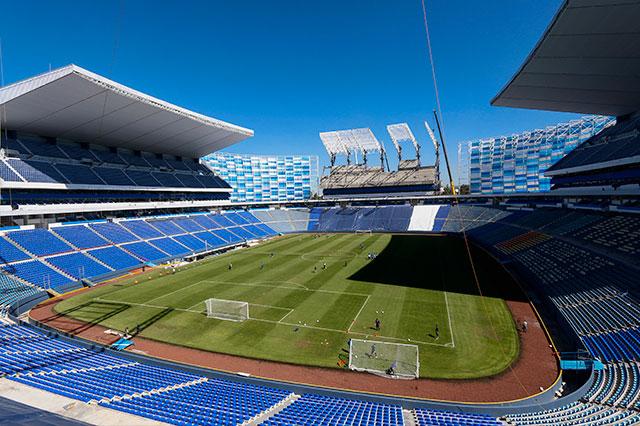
[272,411]
[409,417]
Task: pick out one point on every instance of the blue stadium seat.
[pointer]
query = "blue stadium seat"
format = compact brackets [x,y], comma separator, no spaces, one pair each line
[40,242]
[145,251]
[78,265]
[115,257]
[113,232]
[10,253]
[80,236]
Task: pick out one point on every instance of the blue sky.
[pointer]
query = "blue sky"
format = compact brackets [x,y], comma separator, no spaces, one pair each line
[290,69]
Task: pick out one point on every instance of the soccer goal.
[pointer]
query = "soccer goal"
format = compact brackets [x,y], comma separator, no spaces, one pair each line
[397,360]
[230,310]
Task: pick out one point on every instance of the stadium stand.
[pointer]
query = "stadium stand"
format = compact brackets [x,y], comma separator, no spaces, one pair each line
[40,242]
[80,236]
[385,218]
[37,160]
[362,181]
[97,248]
[560,251]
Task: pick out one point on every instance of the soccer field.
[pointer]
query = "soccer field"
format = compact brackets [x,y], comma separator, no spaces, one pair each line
[302,313]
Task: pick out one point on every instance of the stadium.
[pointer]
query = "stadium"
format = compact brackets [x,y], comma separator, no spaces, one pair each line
[147,277]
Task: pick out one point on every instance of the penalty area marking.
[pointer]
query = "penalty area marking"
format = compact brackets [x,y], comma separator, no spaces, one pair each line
[358,314]
[279,322]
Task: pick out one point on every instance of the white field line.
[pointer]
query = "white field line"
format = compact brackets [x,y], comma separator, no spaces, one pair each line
[446,302]
[270,306]
[358,314]
[285,315]
[175,291]
[291,288]
[280,322]
[145,305]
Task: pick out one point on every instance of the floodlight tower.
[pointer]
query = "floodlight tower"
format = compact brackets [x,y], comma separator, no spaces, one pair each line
[436,146]
[335,145]
[401,132]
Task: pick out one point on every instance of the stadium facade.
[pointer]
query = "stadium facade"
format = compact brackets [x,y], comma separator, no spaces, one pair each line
[266,178]
[517,163]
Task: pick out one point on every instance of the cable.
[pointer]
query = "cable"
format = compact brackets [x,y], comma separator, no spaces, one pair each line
[455,197]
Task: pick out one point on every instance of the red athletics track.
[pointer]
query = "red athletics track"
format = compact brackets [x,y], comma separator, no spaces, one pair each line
[536,366]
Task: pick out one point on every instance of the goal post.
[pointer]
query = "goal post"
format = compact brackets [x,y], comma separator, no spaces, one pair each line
[398,360]
[230,310]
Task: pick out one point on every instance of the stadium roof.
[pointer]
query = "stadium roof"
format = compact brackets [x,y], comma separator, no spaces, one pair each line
[587,61]
[76,104]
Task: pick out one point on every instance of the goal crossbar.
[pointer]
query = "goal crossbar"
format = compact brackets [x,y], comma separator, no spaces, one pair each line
[230,310]
[398,360]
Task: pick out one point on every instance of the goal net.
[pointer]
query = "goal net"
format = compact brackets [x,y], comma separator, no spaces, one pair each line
[231,310]
[397,360]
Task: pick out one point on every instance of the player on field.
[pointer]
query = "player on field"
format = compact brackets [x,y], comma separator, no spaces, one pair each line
[230,266]
[373,352]
[437,332]
[377,322]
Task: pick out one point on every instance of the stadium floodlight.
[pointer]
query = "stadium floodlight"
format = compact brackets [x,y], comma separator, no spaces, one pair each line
[365,140]
[402,133]
[229,310]
[432,136]
[383,358]
[352,140]
[335,144]
[436,146]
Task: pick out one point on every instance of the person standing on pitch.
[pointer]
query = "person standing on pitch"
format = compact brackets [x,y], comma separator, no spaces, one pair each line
[377,324]
[373,352]
[437,332]
[230,266]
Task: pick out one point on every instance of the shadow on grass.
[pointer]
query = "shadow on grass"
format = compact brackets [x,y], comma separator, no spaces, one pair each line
[139,328]
[98,310]
[440,264]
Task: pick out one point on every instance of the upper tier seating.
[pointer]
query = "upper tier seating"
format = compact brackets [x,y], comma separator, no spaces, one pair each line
[10,253]
[141,228]
[40,242]
[113,232]
[614,142]
[38,160]
[80,236]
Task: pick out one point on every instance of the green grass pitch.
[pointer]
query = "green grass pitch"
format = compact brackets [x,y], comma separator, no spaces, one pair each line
[302,313]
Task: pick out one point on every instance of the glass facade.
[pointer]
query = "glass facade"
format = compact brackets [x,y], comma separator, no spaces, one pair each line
[517,163]
[256,178]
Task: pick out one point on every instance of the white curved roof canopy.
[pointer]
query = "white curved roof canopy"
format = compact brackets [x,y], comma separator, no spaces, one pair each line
[76,104]
[587,61]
